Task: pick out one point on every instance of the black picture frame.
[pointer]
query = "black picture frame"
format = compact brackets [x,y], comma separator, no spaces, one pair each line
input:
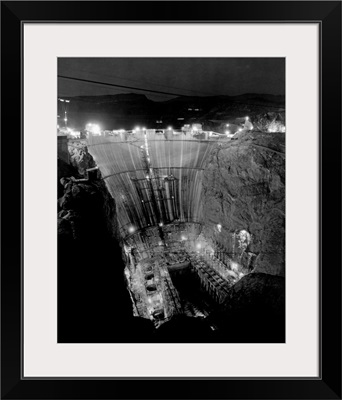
[328,15]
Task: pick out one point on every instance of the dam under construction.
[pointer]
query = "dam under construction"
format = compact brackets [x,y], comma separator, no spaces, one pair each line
[171,226]
[155,179]
[182,255]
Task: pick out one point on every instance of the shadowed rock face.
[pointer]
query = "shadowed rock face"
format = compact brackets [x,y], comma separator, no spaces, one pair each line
[86,210]
[244,189]
[93,301]
[254,310]
[257,290]
[80,157]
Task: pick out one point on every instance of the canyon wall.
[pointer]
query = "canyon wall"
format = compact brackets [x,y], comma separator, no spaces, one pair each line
[244,200]
[93,302]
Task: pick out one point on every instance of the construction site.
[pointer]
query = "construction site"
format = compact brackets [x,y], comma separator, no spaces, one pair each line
[173,230]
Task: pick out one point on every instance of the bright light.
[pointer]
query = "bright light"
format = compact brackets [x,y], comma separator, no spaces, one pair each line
[276,126]
[161,224]
[227,132]
[169,128]
[147,177]
[131,229]
[247,118]
[93,128]
[65,119]
[240,129]
[137,128]
[195,129]
[96,129]
[234,266]
[183,238]
[219,227]
[160,243]
[227,125]
[198,246]
[144,129]
[71,132]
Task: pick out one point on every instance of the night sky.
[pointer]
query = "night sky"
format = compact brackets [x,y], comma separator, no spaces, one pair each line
[187,76]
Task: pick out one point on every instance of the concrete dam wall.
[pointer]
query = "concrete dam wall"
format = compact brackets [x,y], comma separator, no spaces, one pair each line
[155,179]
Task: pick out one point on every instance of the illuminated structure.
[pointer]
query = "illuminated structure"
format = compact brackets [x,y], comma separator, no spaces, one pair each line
[94,129]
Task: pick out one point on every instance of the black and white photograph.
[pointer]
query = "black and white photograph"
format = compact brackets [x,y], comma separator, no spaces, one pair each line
[176,248]
[171,200]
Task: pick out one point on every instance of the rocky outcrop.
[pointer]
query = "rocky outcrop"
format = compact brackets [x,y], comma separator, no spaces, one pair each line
[85,209]
[64,170]
[80,157]
[244,195]
[93,301]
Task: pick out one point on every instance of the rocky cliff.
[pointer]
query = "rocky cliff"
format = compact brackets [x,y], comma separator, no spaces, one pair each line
[80,157]
[93,301]
[244,201]
[86,209]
